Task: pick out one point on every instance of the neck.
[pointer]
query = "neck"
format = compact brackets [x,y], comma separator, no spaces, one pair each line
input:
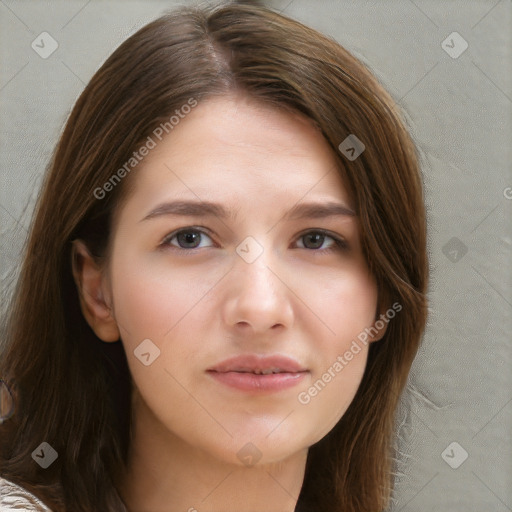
[166,474]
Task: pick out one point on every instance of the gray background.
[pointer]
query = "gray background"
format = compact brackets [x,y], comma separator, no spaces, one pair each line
[459,111]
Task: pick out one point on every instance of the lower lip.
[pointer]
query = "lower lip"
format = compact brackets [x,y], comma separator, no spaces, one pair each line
[254,382]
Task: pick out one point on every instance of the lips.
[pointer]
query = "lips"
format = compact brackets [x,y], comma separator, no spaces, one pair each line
[258,374]
[259,365]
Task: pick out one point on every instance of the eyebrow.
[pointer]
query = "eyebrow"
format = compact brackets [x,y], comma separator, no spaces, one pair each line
[206,208]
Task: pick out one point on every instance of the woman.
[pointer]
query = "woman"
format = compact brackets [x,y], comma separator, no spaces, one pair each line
[224,285]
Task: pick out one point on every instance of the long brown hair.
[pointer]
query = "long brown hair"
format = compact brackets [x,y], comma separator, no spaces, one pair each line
[73,391]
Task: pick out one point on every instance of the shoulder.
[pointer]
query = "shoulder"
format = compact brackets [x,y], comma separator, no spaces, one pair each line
[16,498]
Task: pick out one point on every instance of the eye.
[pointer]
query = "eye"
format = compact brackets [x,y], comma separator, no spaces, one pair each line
[187,238]
[315,239]
[190,238]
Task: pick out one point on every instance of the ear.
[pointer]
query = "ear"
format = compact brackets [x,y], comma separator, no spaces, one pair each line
[380,326]
[92,290]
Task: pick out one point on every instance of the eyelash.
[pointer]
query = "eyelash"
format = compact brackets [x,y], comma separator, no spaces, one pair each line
[339,243]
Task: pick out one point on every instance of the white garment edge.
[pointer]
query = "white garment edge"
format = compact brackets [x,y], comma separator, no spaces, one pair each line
[16,498]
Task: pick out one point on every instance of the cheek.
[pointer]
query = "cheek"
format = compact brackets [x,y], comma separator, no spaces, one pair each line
[161,305]
[347,304]
[170,308]
[151,300]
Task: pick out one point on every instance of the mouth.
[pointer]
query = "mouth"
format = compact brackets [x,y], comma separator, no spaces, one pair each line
[267,371]
[259,374]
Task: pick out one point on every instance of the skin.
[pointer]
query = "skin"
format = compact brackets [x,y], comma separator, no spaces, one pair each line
[202,305]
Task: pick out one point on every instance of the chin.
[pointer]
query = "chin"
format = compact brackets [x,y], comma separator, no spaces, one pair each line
[251,449]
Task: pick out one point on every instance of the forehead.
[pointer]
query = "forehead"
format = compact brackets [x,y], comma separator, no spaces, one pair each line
[236,147]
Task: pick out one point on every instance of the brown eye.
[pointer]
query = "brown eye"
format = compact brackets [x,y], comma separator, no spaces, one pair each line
[186,238]
[314,240]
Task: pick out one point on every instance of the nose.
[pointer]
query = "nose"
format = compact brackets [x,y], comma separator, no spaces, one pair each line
[258,299]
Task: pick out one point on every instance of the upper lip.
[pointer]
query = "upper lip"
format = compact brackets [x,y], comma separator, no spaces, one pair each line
[256,363]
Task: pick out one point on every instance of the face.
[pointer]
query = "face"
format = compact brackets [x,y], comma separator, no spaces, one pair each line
[205,301]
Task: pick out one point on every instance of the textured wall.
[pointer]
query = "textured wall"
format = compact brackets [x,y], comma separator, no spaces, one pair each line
[458,103]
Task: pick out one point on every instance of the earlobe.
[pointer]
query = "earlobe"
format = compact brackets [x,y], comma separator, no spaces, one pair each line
[380,332]
[379,327]
[90,283]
